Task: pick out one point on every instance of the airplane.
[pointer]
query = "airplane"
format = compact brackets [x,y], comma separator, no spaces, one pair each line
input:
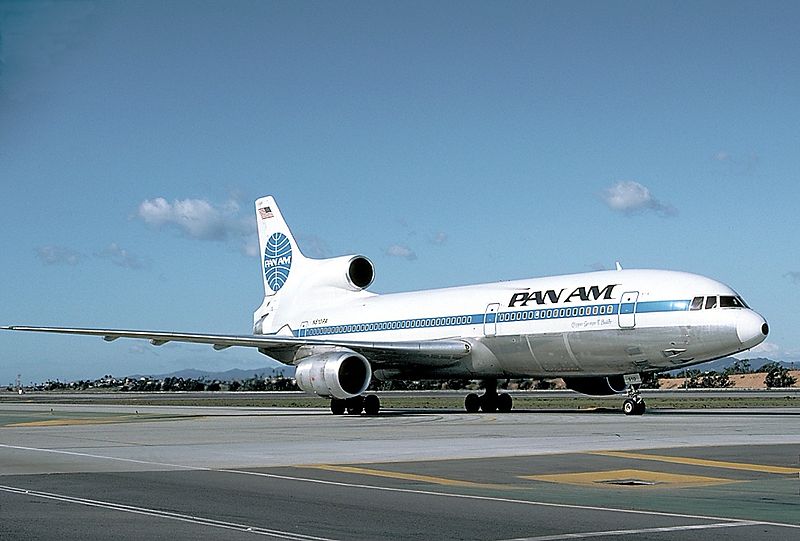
[598,331]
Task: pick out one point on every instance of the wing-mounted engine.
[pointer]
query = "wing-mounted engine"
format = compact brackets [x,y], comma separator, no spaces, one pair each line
[598,385]
[349,272]
[336,374]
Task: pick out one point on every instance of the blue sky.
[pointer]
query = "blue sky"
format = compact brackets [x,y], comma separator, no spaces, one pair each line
[450,142]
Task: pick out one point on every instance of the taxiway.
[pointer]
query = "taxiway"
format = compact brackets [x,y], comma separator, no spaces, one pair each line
[133,472]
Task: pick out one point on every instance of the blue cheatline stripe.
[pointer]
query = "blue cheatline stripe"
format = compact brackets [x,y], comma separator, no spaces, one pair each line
[501,317]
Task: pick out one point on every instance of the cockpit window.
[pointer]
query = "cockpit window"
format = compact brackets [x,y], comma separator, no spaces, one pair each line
[730,302]
[697,303]
[711,302]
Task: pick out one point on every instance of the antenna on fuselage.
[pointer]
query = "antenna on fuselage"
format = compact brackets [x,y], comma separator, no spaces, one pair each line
[619,267]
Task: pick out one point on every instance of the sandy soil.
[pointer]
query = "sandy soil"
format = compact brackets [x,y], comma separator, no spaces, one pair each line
[740,381]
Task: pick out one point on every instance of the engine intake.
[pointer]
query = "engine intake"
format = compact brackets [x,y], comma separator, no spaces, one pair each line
[597,386]
[360,273]
[337,374]
[349,272]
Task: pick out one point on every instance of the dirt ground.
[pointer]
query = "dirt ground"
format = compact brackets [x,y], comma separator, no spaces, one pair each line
[740,381]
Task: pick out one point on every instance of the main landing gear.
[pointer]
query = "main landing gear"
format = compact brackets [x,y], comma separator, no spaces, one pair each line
[369,404]
[634,404]
[490,401]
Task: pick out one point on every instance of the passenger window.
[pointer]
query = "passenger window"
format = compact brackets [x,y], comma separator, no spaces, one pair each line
[697,303]
[711,302]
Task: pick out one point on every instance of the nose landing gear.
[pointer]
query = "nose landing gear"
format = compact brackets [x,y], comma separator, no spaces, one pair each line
[634,404]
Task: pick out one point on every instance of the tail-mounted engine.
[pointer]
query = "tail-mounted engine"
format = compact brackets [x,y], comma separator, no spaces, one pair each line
[337,374]
[350,272]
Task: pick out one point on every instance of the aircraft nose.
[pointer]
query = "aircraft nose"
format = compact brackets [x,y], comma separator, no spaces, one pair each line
[751,328]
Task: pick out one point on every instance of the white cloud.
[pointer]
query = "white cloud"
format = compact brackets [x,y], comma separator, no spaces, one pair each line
[58,255]
[439,238]
[773,351]
[250,247]
[121,257]
[630,197]
[399,250]
[740,164]
[313,246]
[794,276]
[196,218]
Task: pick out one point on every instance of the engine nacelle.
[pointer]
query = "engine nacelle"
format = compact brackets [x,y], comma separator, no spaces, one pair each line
[597,386]
[351,272]
[337,374]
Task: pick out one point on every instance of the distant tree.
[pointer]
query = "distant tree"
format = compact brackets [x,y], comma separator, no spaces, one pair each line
[455,384]
[650,380]
[714,380]
[768,367]
[739,367]
[779,377]
[194,385]
[707,380]
[255,383]
[689,373]
[234,385]
[388,385]
[213,386]
[281,384]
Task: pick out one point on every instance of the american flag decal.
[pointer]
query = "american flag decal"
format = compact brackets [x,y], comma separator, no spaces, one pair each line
[265,213]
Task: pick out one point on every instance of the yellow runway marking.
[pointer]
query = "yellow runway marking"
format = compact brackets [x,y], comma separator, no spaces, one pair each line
[67,422]
[405,476]
[89,421]
[699,462]
[630,479]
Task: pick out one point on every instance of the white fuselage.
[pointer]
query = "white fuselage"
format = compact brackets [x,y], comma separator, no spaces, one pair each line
[589,324]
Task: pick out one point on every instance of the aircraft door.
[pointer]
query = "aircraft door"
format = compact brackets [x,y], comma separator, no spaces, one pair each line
[490,320]
[627,309]
[303,329]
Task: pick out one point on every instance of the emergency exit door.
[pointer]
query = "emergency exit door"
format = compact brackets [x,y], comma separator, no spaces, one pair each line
[627,310]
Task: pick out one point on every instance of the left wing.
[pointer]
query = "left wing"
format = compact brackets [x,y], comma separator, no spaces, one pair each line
[423,352]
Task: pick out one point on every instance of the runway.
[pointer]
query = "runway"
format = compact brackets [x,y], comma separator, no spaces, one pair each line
[132,472]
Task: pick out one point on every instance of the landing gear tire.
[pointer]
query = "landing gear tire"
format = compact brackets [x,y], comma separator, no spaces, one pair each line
[489,403]
[372,404]
[632,406]
[355,405]
[338,406]
[504,403]
[472,403]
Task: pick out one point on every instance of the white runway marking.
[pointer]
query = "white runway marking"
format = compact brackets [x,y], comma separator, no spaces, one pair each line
[412,491]
[614,533]
[202,521]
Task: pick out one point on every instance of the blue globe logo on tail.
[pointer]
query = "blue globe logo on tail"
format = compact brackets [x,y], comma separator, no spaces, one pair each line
[277,260]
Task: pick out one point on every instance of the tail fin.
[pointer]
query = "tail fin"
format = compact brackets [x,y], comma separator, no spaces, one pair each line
[281,255]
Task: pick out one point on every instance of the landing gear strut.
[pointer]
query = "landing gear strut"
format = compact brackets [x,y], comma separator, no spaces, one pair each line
[634,404]
[490,401]
[369,404]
